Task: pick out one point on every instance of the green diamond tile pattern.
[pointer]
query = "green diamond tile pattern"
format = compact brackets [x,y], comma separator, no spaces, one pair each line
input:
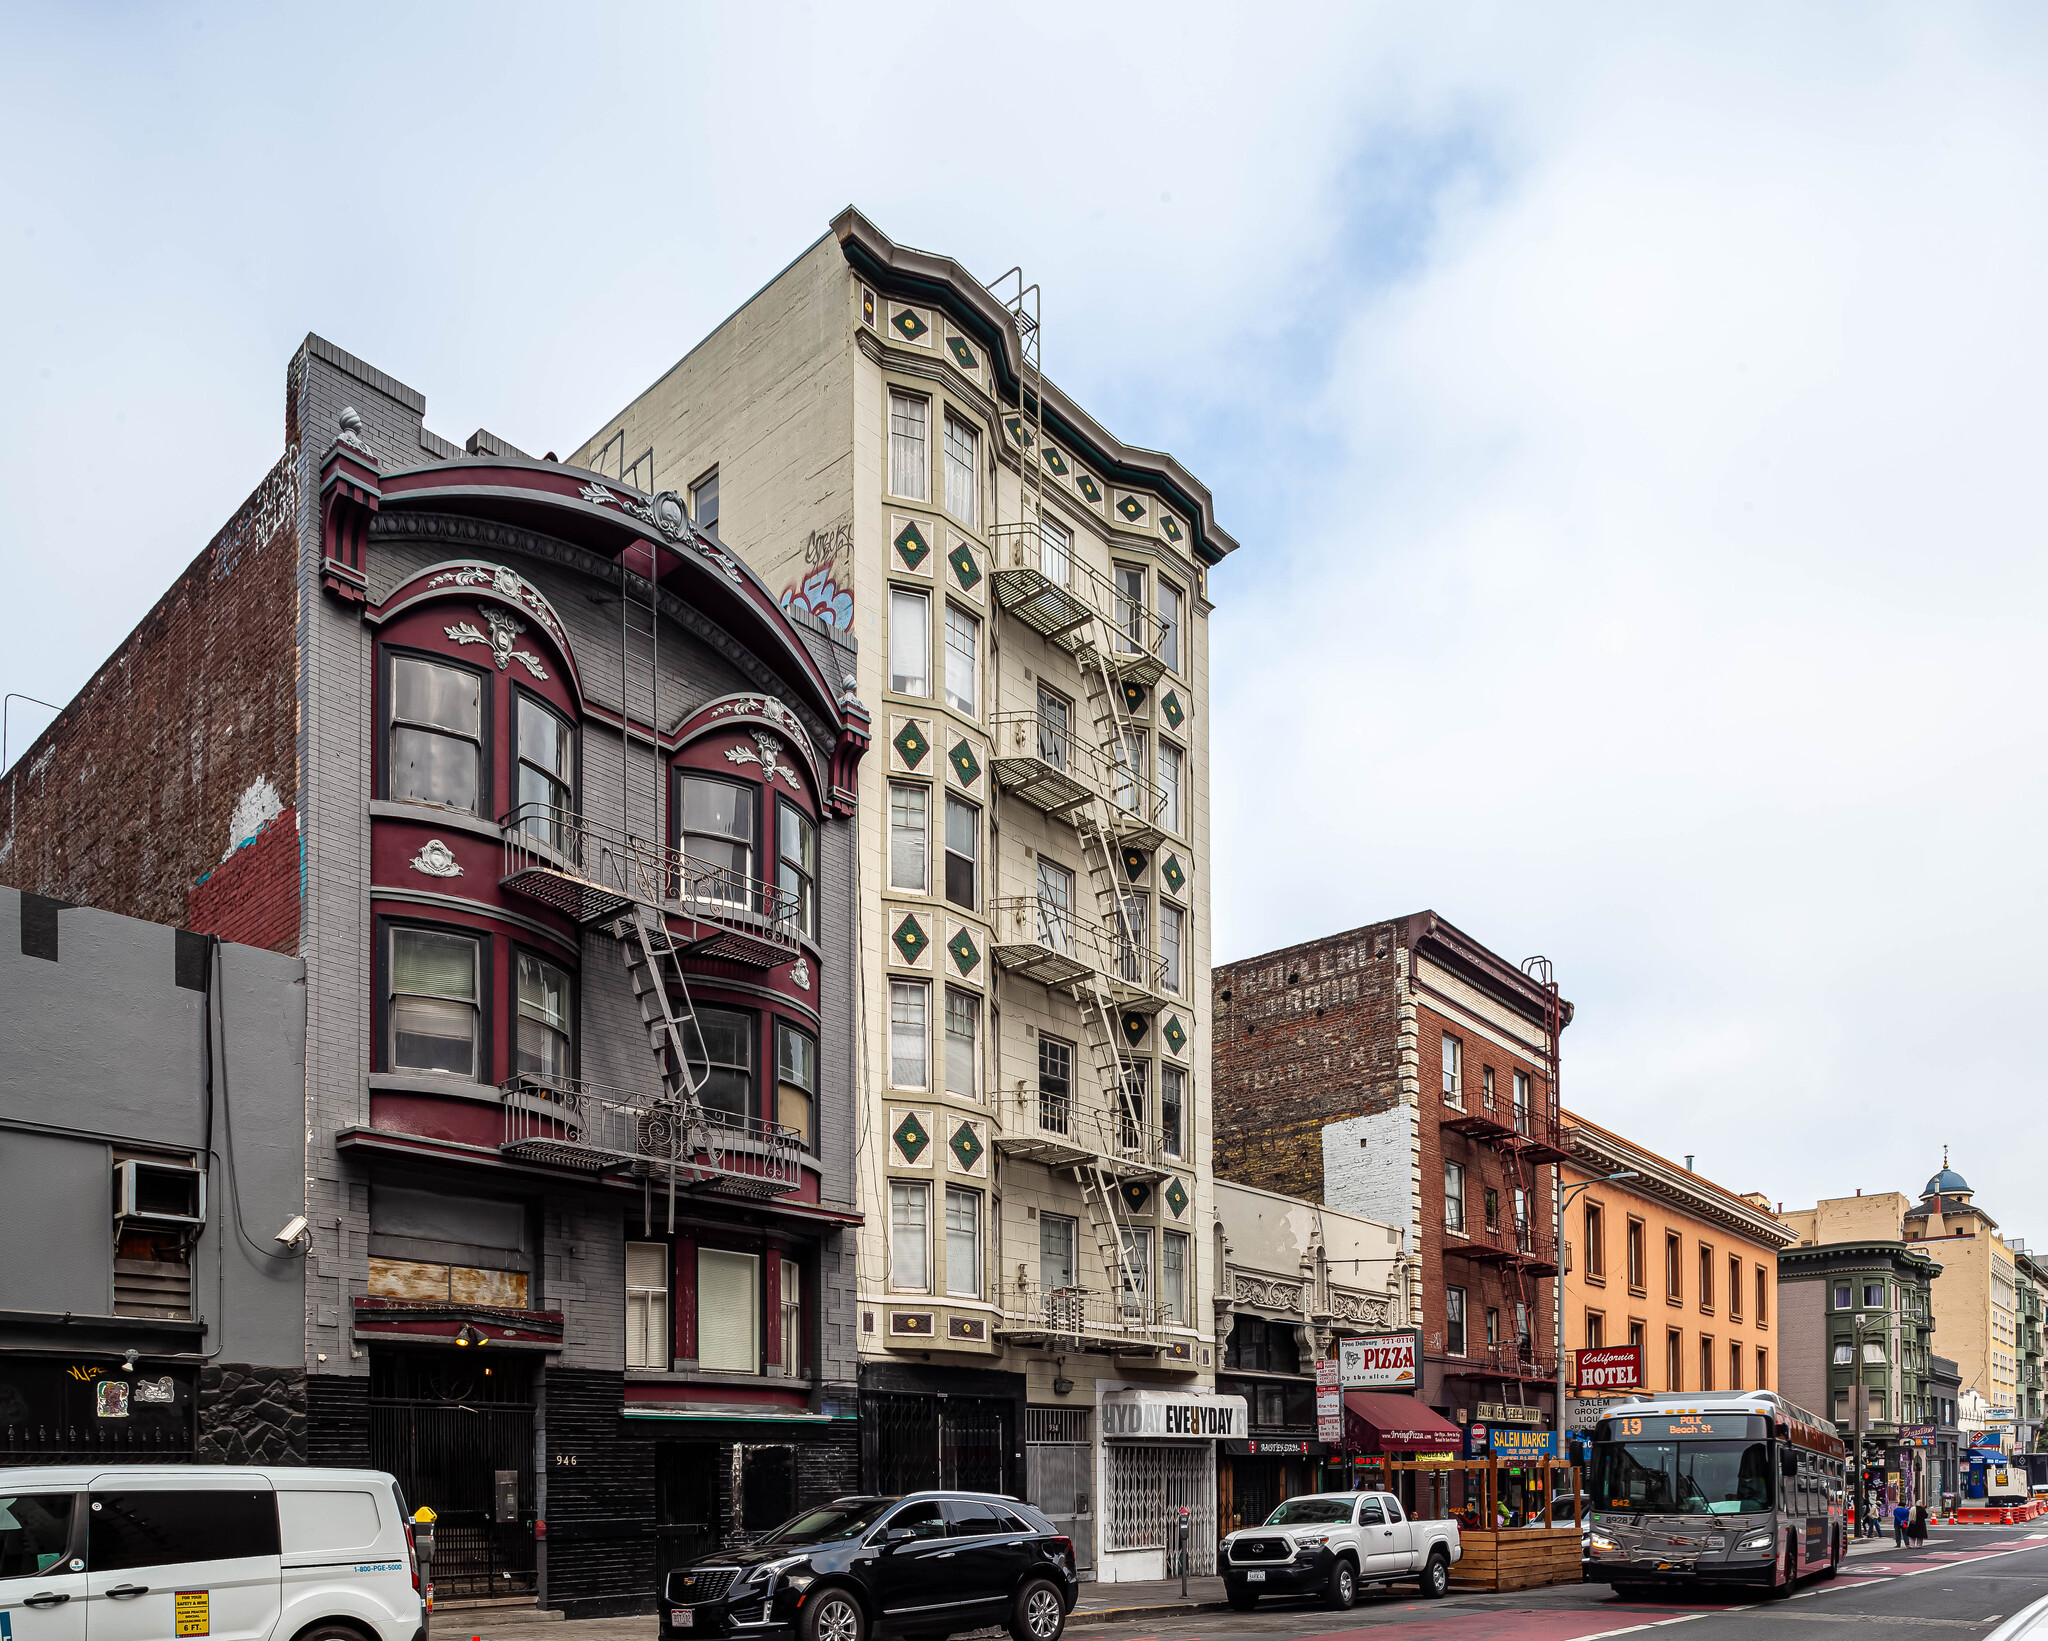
[1131,508]
[909,326]
[911,546]
[966,1145]
[910,938]
[1137,1193]
[1055,461]
[964,952]
[1170,525]
[1177,1196]
[1171,873]
[962,353]
[911,745]
[965,570]
[1019,433]
[1134,695]
[910,1137]
[1135,1027]
[1176,714]
[1175,1034]
[965,764]
[1135,862]
[1088,487]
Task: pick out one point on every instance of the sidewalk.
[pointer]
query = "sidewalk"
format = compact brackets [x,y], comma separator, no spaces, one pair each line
[1099,1604]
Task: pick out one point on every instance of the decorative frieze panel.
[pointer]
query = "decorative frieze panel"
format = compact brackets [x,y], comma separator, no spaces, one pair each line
[1267,1293]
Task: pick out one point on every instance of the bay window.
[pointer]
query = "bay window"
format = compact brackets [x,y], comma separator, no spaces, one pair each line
[963,853]
[910,643]
[796,1082]
[724,1065]
[436,746]
[543,1048]
[547,767]
[909,465]
[435,987]
[962,441]
[908,830]
[1171,920]
[1170,761]
[963,1055]
[728,1311]
[1173,1275]
[908,1202]
[963,1242]
[1169,625]
[1172,1095]
[908,1034]
[963,646]
[796,863]
[717,840]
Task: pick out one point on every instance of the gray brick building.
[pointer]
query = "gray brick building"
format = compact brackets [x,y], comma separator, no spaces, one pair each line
[553,804]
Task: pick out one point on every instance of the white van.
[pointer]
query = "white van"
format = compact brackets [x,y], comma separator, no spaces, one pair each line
[230,1553]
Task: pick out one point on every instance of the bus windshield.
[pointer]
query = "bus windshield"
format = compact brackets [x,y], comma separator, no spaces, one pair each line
[1719,1478]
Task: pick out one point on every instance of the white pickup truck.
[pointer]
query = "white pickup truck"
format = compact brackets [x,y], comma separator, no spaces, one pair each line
[1329,1544]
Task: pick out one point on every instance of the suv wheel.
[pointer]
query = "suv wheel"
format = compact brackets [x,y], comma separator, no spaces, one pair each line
[1342,1589]
[1436,1576]
[1039,1613]
[834,1616]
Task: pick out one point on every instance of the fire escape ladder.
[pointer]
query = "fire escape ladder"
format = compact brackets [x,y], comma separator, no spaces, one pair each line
[1115,1247]
[657,977]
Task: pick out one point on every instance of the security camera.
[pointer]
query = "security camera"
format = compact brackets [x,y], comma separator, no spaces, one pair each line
[294,1228]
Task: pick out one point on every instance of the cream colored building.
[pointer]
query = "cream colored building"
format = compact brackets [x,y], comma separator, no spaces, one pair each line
[1977,1322]
[1029,597]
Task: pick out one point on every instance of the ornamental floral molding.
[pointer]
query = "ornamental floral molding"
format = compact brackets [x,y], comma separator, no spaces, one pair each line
[1268,1295]
[513,588]
[769,758]
[767,706]
[436,859]
[1365,1309]
[504,628]
[800,972]
[665,512]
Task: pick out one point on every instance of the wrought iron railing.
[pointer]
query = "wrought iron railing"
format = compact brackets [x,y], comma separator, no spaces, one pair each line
[1056,766]
[1094,1315]
[595,1128]
[1117,1133]
[1055,944]
[563,858]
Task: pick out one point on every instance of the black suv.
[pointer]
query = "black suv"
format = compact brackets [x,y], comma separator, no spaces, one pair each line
[923,1566]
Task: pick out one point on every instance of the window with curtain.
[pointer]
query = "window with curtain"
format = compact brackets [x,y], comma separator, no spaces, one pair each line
[796,863]
[544,1025]
[435,985]
[963,650]
[1171,922]
[728,1311]
[963,439]
[910,643]
[1172,1093]
[724,1062]
[907,1239]
[792,1291]
[1055,551]
[963,1242]
[1170,762]
[717,840]
[963,853]
[908,1034]
[1173,1275]
[909,465]
[908,831]
[796,1082]
[1169,625]
[547,766]
[963,1044]
[647,1336]
[436,746]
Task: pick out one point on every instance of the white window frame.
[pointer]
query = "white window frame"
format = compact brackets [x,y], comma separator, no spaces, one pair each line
[1454,1071]
[910,459]
[1072,1265]
[650,1306]
[705,489]
[1173,1282]
[474,1002]
[1170,626]
[903,994]
[963,1219]
[1456,1314]
[963,661]
[910,1203]
[963,468]
[902,835]
[973,811]
[1454,1198]
[1171,763]
[963,1004]
[910,630]
[1171,974]
[790,1291]
[1055,550]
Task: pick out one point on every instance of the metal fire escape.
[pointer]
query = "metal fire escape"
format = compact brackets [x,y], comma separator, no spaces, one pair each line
[661,906]
[1087,778]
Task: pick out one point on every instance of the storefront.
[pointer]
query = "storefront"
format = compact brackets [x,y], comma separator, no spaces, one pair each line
[1157,1456]
[1255,1475]
[1380,1426]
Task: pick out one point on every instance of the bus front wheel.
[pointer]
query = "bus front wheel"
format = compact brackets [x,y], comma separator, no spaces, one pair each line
[1780,1590]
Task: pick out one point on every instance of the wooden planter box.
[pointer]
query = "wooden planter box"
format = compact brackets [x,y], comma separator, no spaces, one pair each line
[1521,1558]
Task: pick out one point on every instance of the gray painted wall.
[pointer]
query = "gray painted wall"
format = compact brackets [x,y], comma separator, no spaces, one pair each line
[103,1048]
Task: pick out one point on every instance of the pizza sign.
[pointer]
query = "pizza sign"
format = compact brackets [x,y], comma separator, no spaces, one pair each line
[1379,1359]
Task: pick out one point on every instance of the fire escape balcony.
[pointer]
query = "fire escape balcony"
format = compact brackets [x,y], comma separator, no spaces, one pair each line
[1481,1122]
[1046,942]
[1082,1319]
[1522,1246]
[1525,1361]
[596,873]
[1061,1132]
[1052,766]
[593,1129]
[1048,588]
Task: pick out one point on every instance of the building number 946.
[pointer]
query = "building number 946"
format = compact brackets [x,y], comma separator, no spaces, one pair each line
[565,1458]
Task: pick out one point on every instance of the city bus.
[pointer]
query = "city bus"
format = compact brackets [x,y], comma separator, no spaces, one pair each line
[1697,1488]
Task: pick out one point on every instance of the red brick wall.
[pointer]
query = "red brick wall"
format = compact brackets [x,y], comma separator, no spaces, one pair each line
[123,803]
[253,896]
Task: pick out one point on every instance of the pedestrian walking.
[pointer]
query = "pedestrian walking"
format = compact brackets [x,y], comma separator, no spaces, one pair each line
[1899,1515]
[1919,1524]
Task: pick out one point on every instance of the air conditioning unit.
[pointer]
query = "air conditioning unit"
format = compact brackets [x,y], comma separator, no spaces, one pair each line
[168,1194]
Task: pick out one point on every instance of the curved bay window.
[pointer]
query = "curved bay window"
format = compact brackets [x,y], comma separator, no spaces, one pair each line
[544,1045]
[726,1069]
[796,864]
[547,761]
[717,840]
[796,1082]
[435,752]
[434,1001]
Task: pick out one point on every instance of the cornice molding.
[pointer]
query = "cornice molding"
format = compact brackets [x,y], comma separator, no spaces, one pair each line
[1667,1184]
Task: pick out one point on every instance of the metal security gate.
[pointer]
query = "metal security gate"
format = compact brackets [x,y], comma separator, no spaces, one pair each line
[447,1431]
[1147,1485]
[912,1442]
[1059,1475]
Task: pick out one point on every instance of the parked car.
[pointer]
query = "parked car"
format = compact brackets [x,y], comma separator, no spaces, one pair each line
[925,1565]
[1332,1544]
[130,1553]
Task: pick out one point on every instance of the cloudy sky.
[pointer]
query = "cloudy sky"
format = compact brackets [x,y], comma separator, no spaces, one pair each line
[1633,424]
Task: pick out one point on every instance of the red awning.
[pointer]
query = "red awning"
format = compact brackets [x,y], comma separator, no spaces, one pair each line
[1377,1421]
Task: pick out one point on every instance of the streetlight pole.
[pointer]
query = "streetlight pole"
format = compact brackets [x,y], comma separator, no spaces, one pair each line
[1565,1194]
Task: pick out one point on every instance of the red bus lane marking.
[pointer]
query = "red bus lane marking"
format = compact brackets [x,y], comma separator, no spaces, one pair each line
[1516,1625]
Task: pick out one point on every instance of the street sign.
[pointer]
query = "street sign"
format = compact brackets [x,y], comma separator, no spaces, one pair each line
[1329,1402]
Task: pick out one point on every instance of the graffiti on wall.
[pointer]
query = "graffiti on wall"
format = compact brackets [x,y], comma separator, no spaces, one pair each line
[822,592]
